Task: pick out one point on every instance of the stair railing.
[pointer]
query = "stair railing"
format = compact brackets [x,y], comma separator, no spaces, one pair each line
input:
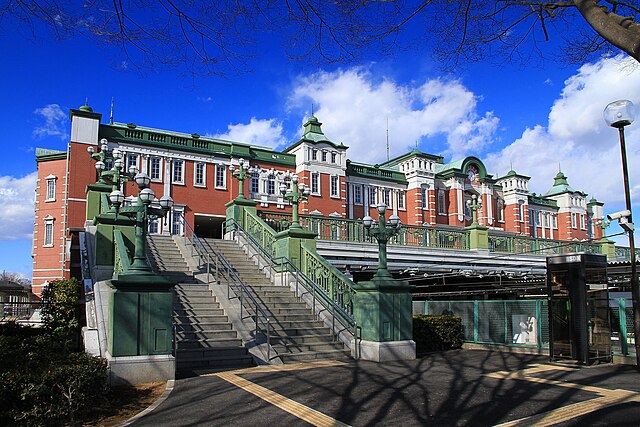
[197,247]
[224,272]
[303,285]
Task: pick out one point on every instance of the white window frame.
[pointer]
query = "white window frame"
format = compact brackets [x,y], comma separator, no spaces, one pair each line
[49,230]
[314,154]
[220,178]
[521,210]
[324,155]
[129,162]
[177,167]
[154,226]
[203,174]
[334,156]
[373,196]
[50,195]
[315,183]
[402,200]
[151,175]
[254,184]
[386,197]
[335,186]
[357,194]
[271,185]
[500,210]
[574,220]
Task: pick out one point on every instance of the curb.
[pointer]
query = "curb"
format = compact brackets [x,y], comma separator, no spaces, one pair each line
[154,405]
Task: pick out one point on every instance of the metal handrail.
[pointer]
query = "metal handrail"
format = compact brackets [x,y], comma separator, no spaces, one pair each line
[220,261]
[196,243]
[317,294]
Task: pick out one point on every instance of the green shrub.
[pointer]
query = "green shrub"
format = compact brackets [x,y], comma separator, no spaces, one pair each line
[436,333]
[40,386]
[61,310]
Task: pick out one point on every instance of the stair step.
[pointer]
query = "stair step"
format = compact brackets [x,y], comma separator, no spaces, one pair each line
[211,343]
[305,348]
[314,355]
[203,327]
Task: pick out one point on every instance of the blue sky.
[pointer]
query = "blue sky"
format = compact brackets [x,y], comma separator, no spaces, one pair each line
[533,118]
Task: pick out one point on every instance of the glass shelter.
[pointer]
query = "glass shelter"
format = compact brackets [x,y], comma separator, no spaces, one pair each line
[578,308]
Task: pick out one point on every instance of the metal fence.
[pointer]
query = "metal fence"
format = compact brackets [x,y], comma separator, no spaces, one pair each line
[523,323]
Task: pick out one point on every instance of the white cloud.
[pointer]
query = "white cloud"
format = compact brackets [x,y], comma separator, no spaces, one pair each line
[264,132]
[17,206]
[577,139]
[54,122]
[356,108]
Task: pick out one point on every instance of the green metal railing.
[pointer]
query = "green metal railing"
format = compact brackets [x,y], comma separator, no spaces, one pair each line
[332,282]
[122,257]
[439,237]
[533,245]
[523,323]
[351,230]
[264,235]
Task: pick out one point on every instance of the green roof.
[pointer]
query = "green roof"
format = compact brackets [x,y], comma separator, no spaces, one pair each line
[314,135]
[459,167]
[541,201]
[45,154]
[119,132]
[375,172]
[560,185]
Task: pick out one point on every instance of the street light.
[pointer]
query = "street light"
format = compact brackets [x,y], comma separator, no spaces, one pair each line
[241,174]
[142,213]
[298,193]
[382,233]
[116,176]
[619,114]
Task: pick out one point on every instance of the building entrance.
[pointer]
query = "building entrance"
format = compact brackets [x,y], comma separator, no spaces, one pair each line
[208,226]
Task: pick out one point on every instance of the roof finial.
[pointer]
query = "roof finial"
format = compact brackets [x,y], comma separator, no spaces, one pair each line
[559,168]
[86,101]
[312,109]
[111,113]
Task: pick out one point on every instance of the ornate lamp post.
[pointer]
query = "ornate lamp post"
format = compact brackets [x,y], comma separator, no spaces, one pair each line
[382,233]
[241,174]
[114,176]
[619,114]
[474,206]
[297,194]
[142,213]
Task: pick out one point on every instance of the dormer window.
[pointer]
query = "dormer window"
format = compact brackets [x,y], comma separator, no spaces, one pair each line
[324,156]
[333,157]
[314,154]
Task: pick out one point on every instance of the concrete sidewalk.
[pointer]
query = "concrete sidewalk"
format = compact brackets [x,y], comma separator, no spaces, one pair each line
[454,388]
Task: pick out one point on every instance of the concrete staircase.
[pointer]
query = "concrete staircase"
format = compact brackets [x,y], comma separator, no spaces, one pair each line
[206,340]
[297,335]
[167,259]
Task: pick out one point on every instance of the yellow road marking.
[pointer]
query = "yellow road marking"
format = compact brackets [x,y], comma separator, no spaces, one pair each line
[278,368]
[299,410]
[608,397]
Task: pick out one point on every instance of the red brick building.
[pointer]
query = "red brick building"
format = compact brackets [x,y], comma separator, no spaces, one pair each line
[194,170]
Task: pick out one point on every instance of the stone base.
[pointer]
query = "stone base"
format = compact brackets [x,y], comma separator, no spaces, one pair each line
[91,341]
[384,351]
[141,369]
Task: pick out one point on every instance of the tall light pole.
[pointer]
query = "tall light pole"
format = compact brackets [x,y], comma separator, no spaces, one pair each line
[474,206]
[142,213]
[241,174]
[382,233]
[619,114]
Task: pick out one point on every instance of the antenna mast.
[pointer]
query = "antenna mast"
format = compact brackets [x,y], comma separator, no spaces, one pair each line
[387,138]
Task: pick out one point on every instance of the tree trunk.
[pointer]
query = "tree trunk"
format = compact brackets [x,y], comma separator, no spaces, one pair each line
[620,31]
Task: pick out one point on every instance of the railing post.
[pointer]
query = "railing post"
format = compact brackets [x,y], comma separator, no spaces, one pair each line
[622,308]
[475,321]
[539,323]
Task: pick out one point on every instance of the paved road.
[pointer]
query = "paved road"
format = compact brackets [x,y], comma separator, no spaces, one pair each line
[454,388]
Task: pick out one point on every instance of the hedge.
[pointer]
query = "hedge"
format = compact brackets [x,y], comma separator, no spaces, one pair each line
[43,386]
[436,333]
